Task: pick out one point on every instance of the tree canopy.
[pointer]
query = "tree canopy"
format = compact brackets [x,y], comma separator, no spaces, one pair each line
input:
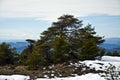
[8,55]
[67,39]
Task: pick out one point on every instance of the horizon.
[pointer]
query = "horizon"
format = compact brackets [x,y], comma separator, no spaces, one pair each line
[26,19]
[24,40]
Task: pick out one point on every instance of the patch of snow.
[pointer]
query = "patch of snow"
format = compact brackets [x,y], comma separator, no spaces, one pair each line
[14,77]
[110,58]
[97,65]
[52,74]
[89,76]
[46,76]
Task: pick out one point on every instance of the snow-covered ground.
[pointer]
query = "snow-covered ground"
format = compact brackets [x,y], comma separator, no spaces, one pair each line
[89,76]
[111,59]
[14,77]
[97,65]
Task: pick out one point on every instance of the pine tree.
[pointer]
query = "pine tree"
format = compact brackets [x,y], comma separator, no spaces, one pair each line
[60,52]
[8,55]
[66,40]
[88,43]
[26,52]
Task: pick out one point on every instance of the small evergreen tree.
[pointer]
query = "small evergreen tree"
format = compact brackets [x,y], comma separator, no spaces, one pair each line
[89,50]
[8,55]
[35,61]
[26,52]
[60,52]
[24,56]
[88,44]
[114,53]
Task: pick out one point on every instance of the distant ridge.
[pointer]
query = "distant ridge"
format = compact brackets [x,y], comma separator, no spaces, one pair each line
[112,40]
[19,45]
[111,44]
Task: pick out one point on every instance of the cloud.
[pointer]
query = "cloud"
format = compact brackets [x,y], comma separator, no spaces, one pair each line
[7,34]
[51,9]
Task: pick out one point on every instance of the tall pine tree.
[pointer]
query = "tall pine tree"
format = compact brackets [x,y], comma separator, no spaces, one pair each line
[66,40]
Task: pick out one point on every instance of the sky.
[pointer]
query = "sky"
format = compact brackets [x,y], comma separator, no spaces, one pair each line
[26,19]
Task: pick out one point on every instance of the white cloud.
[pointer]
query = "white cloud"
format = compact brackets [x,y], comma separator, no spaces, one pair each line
[51,9]
[7,35]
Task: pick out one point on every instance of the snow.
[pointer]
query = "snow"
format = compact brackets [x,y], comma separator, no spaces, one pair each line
[99,65]
[93,64]
[14,77]
[109,58]
[89,76]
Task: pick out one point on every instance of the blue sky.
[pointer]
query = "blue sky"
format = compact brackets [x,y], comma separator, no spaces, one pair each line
[105,25]
[23,19]
[22,28]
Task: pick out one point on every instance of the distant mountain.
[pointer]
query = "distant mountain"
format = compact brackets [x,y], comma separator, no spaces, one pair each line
[19,45]
[111,44]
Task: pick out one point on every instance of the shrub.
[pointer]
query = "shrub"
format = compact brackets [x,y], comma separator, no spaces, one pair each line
[111,73]
[8,55]
[114,53]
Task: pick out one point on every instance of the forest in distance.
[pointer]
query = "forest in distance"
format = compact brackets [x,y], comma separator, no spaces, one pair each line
[66,40]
